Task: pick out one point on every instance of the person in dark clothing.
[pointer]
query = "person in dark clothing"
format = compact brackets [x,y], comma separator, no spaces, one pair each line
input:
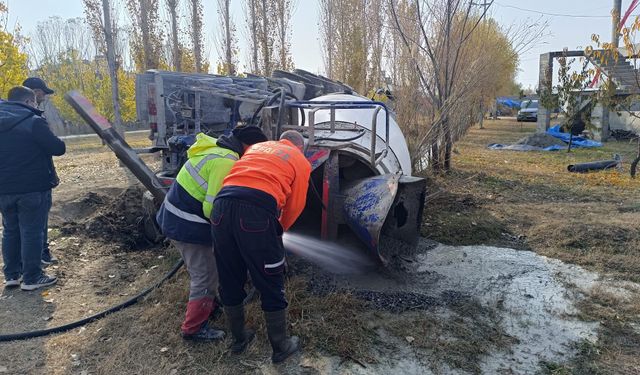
[41,90]
[39,87]
[262,196]
[27,176]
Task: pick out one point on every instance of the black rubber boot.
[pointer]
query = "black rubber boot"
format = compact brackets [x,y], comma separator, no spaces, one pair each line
[282,345]
[242,337]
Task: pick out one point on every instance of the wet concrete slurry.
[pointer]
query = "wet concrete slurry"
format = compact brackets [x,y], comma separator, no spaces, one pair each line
[533,296]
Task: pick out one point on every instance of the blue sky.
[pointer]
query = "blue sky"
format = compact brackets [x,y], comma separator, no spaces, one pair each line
[563,31]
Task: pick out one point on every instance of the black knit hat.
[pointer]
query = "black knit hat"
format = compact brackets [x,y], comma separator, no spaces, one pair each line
[249,134]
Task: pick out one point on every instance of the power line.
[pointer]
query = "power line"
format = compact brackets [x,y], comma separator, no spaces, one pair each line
[485,4]
[551,14]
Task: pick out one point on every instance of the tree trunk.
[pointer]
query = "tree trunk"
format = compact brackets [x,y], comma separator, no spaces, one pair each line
[266,48]
[146,38]
[176,52]
[196,30]
[448,147]
[330,34]
[230,68]
[254,35]
[570,130]
[365,45]
[113,69]
[634,163]
[282,33]
[435,150]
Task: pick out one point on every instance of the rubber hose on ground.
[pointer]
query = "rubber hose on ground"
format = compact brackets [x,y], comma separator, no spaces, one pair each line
[92,318]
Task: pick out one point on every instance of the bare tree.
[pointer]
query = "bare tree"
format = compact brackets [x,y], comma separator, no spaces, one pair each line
[439,52]
[102,17]
[55,37]
[227,39]
[344,27]
[176,49]
[196,33]
[251,13]
[328,33]
[376,19]
[268,22]
[266,41]
[147,37]
[453,60]
[283,10]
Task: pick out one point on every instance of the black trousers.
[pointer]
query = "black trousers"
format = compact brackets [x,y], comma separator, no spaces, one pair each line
[248,237]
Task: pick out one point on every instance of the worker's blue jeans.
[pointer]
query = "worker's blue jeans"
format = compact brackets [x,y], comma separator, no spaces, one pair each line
[23,220]
[247,237]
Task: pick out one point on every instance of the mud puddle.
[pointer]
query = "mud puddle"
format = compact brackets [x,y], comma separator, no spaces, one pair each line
[529,299]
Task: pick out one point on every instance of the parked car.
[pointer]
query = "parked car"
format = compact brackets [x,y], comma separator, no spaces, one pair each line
[528,111]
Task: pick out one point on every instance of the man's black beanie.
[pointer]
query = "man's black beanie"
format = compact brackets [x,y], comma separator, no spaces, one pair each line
[249,134]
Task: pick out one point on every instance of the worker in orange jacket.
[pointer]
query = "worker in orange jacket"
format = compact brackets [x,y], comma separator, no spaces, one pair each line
[262,196]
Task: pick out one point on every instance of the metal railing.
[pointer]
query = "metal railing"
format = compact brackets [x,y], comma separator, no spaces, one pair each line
[314,106]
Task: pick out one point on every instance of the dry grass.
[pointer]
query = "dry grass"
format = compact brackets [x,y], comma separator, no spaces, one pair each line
[335,323]
[618,348]
[528,200]
[460,338]
[145,338]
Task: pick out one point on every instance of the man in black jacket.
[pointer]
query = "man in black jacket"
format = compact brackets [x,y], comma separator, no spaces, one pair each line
[27,176]
[41,90]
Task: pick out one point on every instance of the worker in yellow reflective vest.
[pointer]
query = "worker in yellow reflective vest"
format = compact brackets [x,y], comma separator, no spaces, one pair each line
[184,218]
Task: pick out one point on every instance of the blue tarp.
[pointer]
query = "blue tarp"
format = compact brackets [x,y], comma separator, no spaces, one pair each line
[509,102]
[578,142]
[498,146]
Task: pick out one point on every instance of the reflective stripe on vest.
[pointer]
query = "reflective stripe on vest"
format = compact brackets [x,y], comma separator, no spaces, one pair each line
[209,198]
[194,172]
[182,214]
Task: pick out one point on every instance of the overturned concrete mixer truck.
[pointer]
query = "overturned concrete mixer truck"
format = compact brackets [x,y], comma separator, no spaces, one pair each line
[361,182]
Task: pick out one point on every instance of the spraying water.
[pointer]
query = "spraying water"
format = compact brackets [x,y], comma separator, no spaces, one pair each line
[333,257]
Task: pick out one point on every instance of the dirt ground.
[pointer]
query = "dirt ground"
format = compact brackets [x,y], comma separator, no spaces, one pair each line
[524,268]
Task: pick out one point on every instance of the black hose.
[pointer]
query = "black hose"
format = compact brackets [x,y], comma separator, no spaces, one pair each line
[302,116]
[92,318]
[265,103]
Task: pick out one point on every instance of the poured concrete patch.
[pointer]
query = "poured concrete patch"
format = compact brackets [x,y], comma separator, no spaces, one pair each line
[530,297]
[528,291]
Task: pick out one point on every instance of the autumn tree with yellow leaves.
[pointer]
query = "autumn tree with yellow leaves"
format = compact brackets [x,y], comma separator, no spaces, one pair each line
[13,60]
[64,53]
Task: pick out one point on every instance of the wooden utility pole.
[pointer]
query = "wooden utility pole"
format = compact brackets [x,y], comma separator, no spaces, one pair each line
[615,27]
[615,41]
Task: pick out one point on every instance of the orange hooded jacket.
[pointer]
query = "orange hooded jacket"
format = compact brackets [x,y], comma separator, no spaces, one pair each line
[279,169]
